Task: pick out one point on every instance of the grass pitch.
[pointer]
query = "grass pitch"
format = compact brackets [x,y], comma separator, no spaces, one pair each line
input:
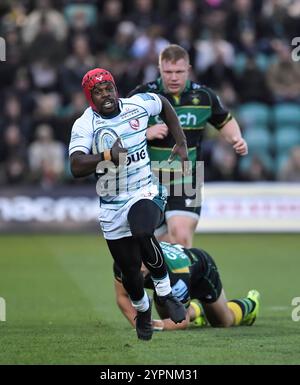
[60,306]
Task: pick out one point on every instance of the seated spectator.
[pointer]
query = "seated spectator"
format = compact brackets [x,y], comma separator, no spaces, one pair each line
[109,19]
[46,157]
[13,156]
[291,170]
[219,72]
[207,52]
[257,170]
[251,83]
[223,163]
[76,65]
[55,21]
[13,114]
[283,76]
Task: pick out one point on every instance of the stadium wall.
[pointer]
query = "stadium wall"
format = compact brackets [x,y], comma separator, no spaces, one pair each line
[227,207]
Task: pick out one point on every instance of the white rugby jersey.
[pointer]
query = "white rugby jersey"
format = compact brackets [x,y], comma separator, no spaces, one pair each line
[131,125]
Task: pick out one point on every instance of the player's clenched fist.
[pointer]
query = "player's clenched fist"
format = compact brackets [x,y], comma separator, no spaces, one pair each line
[240,146]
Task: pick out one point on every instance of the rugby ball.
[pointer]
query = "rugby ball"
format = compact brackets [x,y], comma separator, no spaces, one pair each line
[103,140]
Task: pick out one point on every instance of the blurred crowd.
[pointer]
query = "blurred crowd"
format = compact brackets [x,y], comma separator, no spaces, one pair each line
[240,48]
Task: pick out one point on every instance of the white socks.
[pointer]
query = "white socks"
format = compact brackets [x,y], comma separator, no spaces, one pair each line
[162,286]
[143,304]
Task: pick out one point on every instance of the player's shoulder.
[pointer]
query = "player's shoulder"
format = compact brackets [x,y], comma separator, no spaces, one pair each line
[140,98]
[152,86]
[84,119]
[203,91]
[199,87]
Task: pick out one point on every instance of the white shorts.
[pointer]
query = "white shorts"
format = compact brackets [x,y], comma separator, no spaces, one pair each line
[114,223]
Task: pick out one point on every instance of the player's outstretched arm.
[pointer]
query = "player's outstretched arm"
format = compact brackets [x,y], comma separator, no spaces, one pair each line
[124,303]
[84,164]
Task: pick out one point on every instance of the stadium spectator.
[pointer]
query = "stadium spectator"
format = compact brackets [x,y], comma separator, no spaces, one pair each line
[257,170]
[13,114]
[241,17]
[224,163]
[251,83]
[283,76]
[128,217]
[109,20]
[144,15]
[186,97]
[46,157]
[195,271]
[76,64]
[209,50]
[291,169]
[44,14]
[13,156]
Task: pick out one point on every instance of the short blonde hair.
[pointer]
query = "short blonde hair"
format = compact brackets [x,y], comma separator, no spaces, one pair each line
[173,53]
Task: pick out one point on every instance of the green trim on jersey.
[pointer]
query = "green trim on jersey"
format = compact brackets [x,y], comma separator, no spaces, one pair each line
[175,257]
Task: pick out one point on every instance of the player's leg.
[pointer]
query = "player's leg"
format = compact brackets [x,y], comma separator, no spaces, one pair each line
[223,313]
[181,227]
[144,216]
[206,286]
[182,219]
[161,233]
[126,253]
[217,313]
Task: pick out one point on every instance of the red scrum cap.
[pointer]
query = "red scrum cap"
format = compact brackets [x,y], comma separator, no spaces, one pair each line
[91,78]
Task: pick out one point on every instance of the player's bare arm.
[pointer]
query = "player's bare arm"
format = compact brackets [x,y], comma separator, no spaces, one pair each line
[85,164]
[232,134]
[169,116]
[124,303]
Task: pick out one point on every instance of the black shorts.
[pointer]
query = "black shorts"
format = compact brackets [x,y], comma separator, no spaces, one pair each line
[206,285]
[176,205]
[182,203]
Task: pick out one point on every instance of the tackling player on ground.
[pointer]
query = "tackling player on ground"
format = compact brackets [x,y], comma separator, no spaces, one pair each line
[193,275]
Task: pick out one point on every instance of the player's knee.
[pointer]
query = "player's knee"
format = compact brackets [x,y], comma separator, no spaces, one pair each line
[142,233]
[182,238]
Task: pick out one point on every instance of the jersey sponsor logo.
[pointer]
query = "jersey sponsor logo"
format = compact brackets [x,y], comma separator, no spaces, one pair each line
[188,202]
[180,290]
[136,157]
[152,86]
[188,119]
[134,124]
[196,101]
[196,86]
[76,136]
[129,112]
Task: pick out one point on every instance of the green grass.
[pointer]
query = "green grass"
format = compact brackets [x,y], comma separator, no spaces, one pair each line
[61,310]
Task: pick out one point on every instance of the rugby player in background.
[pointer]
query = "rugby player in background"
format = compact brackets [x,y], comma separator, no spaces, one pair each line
[195,105]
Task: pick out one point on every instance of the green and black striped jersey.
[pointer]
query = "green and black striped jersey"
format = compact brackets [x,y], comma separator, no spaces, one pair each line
[196,106]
